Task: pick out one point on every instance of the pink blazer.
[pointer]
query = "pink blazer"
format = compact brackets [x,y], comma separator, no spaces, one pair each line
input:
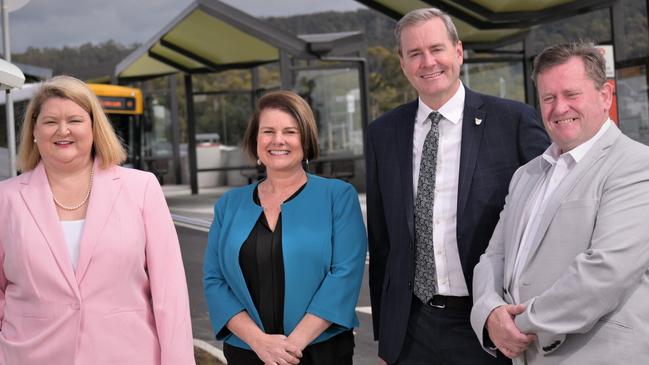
[127,301]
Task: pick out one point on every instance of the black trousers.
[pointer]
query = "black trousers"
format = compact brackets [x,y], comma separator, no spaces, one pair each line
[338,350]
[443,336]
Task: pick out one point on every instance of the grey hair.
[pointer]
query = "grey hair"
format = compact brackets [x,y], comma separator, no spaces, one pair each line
[421,15]
[556,55]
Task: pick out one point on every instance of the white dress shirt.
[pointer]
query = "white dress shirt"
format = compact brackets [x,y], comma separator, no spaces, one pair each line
[559,165]
[450,278]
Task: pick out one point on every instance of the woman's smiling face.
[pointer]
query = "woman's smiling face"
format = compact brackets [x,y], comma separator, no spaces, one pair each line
[279,141]
[63,132]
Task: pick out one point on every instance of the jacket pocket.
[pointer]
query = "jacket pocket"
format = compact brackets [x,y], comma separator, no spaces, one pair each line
[612,323]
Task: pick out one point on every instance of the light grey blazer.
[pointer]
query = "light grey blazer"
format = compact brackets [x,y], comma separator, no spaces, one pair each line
[585,283]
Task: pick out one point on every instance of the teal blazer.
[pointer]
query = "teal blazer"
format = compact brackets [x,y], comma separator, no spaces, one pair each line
[324,245]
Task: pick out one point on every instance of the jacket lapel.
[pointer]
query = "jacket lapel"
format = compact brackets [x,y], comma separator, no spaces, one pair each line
[106,186]
[472,132]
[520,213]
[597,152]
[37,195]
[404,129]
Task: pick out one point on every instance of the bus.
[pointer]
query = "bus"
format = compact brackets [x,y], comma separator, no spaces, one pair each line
[125,108]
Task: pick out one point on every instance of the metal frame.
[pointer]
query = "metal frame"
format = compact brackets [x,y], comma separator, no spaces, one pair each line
[175,127]
[289,46]
[169,62]
[255,27]
[191,133]
[487,46]
[516,19]
[483,18]
[34,72]
[467,10]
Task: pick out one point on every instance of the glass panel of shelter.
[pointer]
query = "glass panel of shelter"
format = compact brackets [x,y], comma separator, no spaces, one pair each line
[633,102]
[334,94]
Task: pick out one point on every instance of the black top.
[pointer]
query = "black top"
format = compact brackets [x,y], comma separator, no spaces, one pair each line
[262,263]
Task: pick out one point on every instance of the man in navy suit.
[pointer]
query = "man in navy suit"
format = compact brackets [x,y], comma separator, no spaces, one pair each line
[479,142]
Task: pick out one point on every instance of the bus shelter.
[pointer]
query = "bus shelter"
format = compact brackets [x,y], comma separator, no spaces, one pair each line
[497,32]
[328,70]
[502,37]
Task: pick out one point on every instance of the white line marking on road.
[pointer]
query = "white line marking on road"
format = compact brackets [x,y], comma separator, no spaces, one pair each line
[366,310]
[191,226]
[212,350]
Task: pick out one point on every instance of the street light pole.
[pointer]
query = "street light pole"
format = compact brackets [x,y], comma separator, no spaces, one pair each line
[9,104]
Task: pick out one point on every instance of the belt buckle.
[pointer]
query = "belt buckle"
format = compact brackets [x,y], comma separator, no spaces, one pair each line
[432,303]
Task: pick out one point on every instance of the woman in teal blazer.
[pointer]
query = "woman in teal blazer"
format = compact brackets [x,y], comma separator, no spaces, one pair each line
[322,248]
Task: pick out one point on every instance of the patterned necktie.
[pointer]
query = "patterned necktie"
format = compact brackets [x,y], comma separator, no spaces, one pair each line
[425,277]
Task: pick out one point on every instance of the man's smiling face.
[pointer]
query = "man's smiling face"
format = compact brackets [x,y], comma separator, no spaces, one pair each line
[431,61]
[572,107]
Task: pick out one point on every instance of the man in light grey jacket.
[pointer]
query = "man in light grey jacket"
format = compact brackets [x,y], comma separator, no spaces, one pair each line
[565,278]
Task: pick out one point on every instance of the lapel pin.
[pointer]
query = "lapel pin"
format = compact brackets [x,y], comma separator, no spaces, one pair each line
[478,121]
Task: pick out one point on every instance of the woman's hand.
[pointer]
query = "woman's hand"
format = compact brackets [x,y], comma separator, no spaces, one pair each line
[271,349]
[276,349]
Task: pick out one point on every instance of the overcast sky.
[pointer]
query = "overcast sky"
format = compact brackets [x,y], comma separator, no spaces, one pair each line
[57,23]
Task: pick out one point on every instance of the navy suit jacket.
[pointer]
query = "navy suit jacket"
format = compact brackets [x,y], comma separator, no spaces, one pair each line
[508,136]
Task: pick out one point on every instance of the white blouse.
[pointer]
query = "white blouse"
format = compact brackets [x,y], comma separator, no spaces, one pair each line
[72,231]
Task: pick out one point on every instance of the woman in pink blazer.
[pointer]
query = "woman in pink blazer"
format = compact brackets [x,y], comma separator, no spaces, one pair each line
[91,271]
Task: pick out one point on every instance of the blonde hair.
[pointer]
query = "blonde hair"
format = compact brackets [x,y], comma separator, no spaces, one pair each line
[106,144]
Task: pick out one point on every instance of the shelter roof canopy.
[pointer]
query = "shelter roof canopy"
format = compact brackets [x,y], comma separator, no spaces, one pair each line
[211,36]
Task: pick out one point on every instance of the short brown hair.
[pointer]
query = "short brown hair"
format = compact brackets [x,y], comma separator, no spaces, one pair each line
[106,145]
[422,15]
[294,105]
[556,55]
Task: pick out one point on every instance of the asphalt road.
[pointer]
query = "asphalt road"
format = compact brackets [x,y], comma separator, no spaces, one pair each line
[193,242]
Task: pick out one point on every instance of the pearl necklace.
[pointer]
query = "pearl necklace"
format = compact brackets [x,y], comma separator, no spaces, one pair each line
[85,198]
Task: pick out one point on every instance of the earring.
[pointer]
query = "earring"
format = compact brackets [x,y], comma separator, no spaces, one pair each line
[35,141]
[258,162]
[307,162]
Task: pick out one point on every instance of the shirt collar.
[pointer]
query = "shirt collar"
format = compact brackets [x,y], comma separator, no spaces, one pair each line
[452,110]
[553,153]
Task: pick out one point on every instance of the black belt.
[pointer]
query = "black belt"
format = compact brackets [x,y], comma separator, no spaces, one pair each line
[442,301]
